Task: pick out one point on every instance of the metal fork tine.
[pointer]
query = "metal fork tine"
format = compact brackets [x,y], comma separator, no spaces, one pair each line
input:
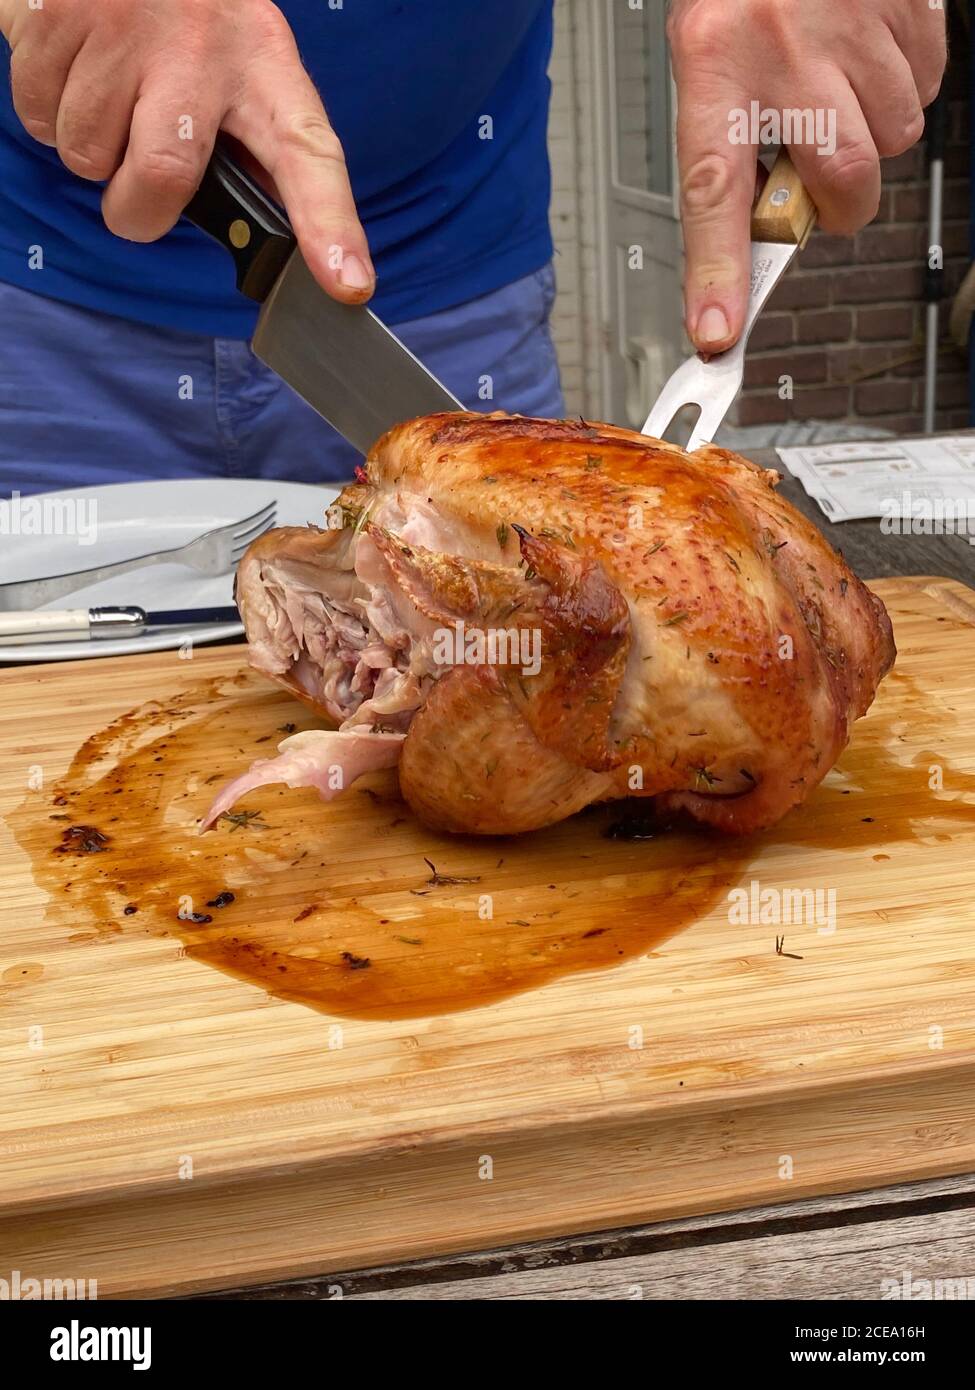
[712,414]
[711,386]
[240,527]
[266,519]
[244,536]
[242,543]
[683,388]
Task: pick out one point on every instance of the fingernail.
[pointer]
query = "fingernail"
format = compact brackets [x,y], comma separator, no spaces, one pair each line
[712,327]
[354,275]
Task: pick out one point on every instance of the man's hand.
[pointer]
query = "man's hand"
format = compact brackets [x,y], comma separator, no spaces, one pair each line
[874,63]
[134,94]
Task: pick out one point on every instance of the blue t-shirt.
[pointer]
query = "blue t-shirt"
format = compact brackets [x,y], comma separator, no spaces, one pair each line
[449,214]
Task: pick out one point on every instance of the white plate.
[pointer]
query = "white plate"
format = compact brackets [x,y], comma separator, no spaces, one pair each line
[135,519]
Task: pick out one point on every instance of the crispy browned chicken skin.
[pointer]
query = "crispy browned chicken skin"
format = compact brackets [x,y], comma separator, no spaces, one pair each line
[700,641]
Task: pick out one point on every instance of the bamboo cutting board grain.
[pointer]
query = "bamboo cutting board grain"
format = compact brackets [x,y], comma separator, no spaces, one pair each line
[352,1062]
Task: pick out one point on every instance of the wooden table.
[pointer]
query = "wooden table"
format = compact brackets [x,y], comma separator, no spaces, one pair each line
[837,1247]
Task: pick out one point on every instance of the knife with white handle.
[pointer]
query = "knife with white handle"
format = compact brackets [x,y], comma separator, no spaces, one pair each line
[77,624]
[783,219]
[340,358]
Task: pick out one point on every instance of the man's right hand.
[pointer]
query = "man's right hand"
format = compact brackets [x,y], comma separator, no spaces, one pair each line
[134,94]
[871,64]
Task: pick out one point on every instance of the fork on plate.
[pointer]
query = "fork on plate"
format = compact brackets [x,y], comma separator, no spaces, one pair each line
[215,552]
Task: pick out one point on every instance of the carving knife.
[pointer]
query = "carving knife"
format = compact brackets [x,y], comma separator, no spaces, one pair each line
[340,358]
[783,219]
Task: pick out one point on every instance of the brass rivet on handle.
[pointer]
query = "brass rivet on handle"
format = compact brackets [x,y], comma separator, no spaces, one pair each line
[240,233]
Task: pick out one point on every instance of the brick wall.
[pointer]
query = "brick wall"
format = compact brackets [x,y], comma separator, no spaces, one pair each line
[847,322]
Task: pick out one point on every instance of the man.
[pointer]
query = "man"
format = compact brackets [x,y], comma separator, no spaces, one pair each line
[123,347]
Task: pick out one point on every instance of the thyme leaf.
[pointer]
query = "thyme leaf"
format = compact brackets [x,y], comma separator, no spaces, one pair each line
[703,776]
[439,880]
[245,819]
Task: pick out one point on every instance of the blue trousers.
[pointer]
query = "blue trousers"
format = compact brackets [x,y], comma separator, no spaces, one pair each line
[89,398]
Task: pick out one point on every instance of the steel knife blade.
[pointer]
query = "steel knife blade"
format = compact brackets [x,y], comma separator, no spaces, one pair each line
[340,358]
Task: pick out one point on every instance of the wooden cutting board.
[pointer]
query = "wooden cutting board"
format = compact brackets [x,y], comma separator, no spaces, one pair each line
[392,1043]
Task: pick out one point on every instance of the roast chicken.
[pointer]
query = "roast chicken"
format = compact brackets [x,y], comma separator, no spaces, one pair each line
[527,616]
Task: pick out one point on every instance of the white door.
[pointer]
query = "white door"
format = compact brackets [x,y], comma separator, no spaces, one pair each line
[639,227]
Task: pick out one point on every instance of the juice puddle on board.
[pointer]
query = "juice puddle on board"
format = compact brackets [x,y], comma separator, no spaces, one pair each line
[354,908]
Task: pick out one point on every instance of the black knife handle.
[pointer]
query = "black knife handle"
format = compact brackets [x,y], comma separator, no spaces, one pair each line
[232,209]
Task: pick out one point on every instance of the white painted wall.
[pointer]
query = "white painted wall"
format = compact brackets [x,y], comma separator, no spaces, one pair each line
[575,322]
